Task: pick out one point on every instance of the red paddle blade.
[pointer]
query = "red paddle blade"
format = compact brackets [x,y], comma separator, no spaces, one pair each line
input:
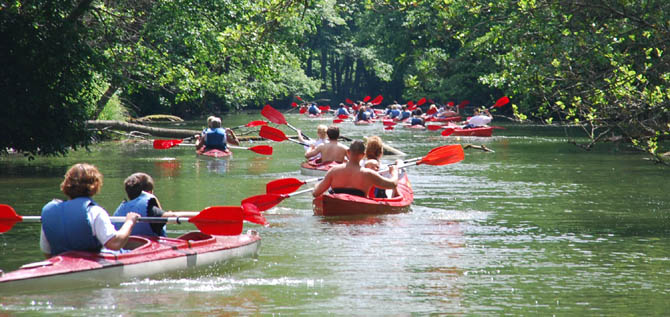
[303,110]
[446,155]
[450,103]
[256,124]
[421,101]
[283,186]
[8,218]
[388,127]
[335,121]
[251,214]
[501,102]
[447,131]
[274,134]
[219,220]
[349,101]
[264,202]
[433,127]
[324,108]
[298,97]
[262,149]
[388,123]
[273,115]
[463,104]
[377,100]
[343,116]
[366,99]
[410,103]
[294,104]
[431,111]
[165,144]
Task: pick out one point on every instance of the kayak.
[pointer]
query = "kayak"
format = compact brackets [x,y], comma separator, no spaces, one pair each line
[148,256]
[480,131]
[443,119]
[347,205]
[214,153]
[415,127]
[315,168]
[363,122]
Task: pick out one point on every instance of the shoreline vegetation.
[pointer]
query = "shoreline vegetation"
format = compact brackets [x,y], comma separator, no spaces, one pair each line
[600,66]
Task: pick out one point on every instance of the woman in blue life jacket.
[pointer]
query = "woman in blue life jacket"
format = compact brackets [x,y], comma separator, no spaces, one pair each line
[215,137]
[80,224]
[395,112]
[363,114]
[405,114]
[416,118]
[141,199]
[314,110]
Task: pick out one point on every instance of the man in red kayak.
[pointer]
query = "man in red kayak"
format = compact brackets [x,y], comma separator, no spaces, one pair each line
[353,179]
[479,119]
[332,151]
[80,224]
[215,137]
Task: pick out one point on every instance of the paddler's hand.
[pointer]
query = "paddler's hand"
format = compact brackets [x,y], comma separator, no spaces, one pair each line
[132,217]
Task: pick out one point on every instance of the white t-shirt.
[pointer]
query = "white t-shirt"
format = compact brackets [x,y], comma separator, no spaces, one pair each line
[102,228]
[479,120]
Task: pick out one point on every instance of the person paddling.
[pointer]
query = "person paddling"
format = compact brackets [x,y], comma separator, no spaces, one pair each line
[416,118]
[321,132]
[479,119]
[80,224]
[351,178]
[314,110]
[342,110]
[139,188]
[215,137]
[332,151]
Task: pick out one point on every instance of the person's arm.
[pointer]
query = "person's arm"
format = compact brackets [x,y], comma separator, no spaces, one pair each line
[114,239]
[323,185]
[199,141]
[300,138]
[44,245]
[313,151]
[232,138]
[388,182]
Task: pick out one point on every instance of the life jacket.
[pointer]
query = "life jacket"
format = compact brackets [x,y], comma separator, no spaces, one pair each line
[405,114]
[394,113]
[140,206]
[363,116]
[67,227]
[342,111]
[215,139]
[416,121]
[313,110]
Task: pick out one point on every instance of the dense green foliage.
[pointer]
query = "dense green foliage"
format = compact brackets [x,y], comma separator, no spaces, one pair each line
[601,65]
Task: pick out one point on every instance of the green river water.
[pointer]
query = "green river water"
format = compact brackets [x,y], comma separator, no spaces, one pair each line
[537,228]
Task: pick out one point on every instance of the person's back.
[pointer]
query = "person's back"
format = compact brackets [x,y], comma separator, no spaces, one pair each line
[313,110]
[479,119]
[215,139]
[342,111]
[139,188]
[332,151]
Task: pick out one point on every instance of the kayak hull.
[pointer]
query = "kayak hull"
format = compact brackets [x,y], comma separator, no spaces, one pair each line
[311,168]
[444,119]
[481,132]
[349,205]
[153,255]
[213,153]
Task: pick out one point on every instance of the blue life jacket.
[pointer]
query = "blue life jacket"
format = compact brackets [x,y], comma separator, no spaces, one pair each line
[66,226]
[394,113]
[342,111]
[405,114]
[416,121]
[363,116]
[313,110]
[215,139]
[139,205]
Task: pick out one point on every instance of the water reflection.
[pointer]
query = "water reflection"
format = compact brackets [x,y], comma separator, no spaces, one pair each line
[214,165]
[168,167]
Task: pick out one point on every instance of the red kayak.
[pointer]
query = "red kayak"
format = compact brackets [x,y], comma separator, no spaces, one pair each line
[480,131]
[443,119]
[345,204]
[214,153]
[316,168]
[148,256]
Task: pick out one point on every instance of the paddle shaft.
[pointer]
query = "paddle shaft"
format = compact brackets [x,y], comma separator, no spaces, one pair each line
[296,130]
[171,220]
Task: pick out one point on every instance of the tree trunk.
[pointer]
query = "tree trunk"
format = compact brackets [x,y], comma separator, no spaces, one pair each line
[324,73]
[156,132]
[104,99]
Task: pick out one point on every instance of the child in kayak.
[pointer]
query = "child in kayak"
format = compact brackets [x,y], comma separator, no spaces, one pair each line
[80,224]
[215,137]
[139,188]
[351,178]
[321,130]
[332,151]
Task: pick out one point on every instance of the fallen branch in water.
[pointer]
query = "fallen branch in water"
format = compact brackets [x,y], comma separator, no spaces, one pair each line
[478,147]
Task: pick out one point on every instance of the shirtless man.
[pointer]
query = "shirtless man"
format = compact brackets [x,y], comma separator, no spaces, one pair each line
[353,179]
[332,151]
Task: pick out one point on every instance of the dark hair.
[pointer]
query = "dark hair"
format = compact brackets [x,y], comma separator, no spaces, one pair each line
[417,112]
[81,180]
[136,183]
[357,147]
[333,132]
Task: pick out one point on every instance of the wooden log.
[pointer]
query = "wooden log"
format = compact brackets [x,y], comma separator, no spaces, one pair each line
[153,131]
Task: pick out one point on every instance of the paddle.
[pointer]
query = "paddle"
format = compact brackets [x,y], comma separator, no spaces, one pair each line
[389,123]
[500,102]
[336,121]
[251,124]
[447,131]
[366,99]
[421,101]
[217,220]
[377,100]
[274,134]
[324,108]
[277,117]
[463,103]
[349,101]
[167,144]
[302,110]
[442,155]
[388,127]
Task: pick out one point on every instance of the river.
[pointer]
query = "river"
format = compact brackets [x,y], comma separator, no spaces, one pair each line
[539,227]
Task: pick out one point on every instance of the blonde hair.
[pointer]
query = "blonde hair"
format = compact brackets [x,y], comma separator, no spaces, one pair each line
[374,148]
[81,180]
[321,131]
[209,121]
